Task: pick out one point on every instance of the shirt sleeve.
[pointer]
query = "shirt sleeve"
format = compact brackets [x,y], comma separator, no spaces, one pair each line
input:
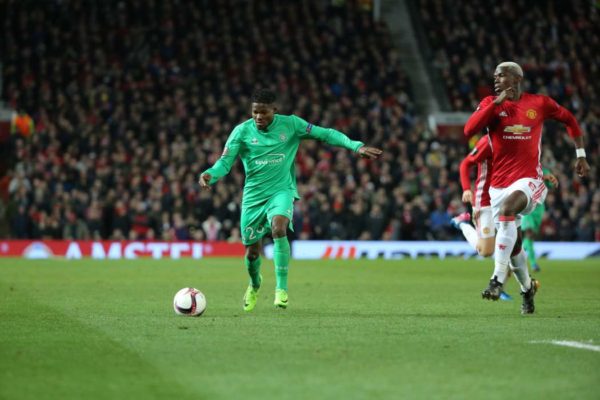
[480,152]
[307,130]
[481,118]
[230,153]
[553,110]
[465,167]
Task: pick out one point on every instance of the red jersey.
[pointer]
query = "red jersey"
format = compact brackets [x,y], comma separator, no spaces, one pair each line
[515,130]
[482,156]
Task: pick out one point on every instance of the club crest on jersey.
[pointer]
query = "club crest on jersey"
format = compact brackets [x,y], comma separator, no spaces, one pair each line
[254,141]
[517,129]
[503,114]
[531,113]
[282,137]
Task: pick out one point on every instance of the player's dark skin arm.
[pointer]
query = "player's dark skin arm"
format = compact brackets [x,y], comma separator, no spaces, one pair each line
[582,168]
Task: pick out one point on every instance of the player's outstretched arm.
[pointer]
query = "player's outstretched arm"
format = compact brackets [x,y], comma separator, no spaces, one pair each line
[335,138]
[559,113]
[223,165]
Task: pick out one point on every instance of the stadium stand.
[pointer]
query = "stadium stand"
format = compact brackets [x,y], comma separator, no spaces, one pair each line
[131,100]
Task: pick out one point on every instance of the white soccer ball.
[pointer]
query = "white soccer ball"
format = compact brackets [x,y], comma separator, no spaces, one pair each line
[190,302]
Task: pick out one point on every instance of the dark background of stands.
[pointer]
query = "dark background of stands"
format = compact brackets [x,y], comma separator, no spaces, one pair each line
[131,100]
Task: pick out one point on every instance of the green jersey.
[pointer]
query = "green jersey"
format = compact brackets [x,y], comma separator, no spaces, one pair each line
[268,155]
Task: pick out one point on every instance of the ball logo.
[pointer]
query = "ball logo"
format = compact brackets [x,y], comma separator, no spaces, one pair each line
[531,113]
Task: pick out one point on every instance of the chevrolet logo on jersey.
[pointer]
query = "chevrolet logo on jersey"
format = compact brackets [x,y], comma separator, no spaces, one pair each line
[517,129]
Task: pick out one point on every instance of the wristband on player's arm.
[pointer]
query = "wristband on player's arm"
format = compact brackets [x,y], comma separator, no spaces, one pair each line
[580,153]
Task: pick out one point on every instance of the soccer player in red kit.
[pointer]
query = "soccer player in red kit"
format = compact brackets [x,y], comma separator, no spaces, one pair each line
[481,239]
[514,122]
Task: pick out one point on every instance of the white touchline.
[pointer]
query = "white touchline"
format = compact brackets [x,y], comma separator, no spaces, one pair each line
[569,343]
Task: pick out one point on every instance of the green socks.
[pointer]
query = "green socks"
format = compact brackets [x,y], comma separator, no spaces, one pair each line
[253,271]
[281,257]
[528,246]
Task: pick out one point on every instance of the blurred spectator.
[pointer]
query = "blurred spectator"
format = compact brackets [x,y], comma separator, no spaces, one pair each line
[235,236]
[212,228]
[180,230]
[74,228]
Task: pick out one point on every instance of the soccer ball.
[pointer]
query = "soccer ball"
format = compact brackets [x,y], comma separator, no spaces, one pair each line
[190,302]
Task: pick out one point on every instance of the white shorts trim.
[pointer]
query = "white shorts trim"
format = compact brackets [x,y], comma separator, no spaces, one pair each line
[534,189]
[486,228]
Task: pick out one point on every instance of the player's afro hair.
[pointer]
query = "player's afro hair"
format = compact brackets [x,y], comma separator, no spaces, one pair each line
[263,96]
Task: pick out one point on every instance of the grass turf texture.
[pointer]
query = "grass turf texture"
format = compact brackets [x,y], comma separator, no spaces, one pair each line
[354,330]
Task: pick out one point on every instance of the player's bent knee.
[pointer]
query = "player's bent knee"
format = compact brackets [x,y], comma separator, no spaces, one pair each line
[279,226]
[485,247]
[279,232]
[252,253]
[486,252]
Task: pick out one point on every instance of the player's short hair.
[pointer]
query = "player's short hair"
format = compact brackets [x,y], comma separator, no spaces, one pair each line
[264,96]
[512,67]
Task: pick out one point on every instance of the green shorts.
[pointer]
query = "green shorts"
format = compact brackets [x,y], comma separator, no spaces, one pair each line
[533,220]
[256,218]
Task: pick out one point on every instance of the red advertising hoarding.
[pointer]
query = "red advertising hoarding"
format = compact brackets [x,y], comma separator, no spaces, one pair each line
[117,249]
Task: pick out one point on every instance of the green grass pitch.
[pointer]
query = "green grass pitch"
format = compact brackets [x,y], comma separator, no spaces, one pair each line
[406,329]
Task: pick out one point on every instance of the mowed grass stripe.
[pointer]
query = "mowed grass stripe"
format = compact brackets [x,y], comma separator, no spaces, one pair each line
[48,355]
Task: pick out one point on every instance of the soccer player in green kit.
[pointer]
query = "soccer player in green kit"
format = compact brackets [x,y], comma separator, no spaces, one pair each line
[531,223]
[267,145]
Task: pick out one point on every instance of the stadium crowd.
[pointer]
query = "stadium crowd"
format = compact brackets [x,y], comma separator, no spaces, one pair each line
[131,100]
